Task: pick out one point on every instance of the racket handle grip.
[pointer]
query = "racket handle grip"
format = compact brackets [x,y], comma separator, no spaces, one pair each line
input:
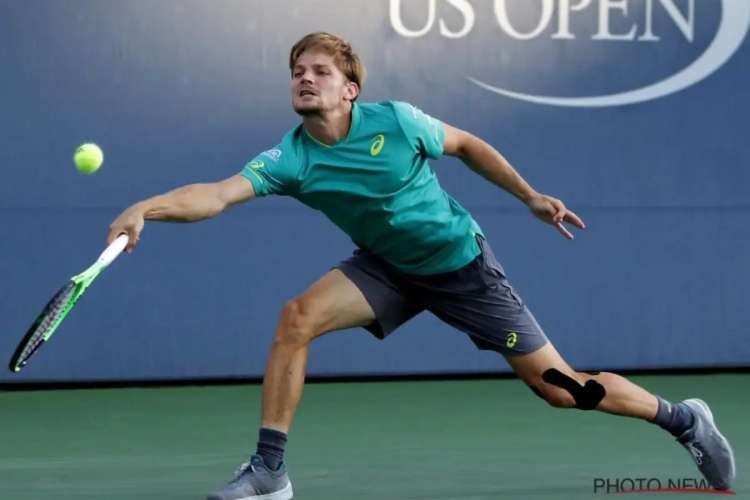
[113,250]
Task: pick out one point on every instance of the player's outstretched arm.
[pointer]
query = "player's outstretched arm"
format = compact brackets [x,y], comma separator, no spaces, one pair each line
[197,202]
[191,203]
[486,161]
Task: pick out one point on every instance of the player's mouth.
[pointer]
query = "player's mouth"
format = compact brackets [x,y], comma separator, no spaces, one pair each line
[306,92]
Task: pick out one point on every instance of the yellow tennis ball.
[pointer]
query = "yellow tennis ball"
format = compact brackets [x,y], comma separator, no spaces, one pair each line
[88,158]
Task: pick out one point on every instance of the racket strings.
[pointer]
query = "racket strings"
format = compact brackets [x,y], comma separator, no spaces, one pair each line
[56,308]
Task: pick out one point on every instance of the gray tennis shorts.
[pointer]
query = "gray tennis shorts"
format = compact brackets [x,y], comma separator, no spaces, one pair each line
[476,300]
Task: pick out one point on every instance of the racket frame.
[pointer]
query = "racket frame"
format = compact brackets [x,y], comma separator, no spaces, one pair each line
[79,283]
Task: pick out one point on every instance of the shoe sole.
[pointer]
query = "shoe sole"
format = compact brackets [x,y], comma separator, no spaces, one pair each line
[707,411]
[283,494]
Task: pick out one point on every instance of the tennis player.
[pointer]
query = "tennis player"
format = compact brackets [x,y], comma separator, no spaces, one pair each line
[366,167]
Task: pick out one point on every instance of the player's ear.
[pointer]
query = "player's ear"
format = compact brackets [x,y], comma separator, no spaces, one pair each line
[352,91]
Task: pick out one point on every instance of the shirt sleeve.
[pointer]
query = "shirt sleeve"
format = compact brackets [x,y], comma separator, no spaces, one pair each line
[272,172]
[426,133]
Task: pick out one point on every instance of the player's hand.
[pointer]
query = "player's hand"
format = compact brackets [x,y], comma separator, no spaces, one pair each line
[129,222]
[553,211]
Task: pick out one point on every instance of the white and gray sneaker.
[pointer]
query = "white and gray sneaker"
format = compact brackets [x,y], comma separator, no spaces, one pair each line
[254,481]
[708,448]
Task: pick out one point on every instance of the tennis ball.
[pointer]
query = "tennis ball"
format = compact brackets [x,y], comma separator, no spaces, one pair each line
[88,158]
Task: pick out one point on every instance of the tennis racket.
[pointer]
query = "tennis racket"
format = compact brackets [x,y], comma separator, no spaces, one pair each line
[61,304]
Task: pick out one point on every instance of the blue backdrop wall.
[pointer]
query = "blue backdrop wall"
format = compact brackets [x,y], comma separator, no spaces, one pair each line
[633,112]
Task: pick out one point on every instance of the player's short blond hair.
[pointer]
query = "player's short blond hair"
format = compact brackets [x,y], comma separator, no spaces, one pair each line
[346,60]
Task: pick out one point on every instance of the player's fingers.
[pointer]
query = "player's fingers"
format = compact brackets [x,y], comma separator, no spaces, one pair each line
[132,240]
[572,218]
[564,231]
[558,215]
[113,233]
[558,210]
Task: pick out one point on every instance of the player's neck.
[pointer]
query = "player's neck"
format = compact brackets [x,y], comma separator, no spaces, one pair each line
[329,128]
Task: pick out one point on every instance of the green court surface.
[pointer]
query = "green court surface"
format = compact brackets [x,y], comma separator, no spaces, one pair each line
[465,440]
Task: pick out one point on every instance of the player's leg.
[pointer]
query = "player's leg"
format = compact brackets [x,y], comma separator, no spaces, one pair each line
[332,303]
[479,301]
[356,294]
[690,422]
[550,377]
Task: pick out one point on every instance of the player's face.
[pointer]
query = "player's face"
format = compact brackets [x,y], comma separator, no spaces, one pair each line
[318,85]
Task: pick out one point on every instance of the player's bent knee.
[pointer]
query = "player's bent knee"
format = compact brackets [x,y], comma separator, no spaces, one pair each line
[298,323]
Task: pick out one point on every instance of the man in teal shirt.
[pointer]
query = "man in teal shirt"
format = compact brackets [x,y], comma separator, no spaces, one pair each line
[377,186]
[365,166]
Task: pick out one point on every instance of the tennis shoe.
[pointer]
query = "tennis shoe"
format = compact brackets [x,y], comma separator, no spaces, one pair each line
[254,481]
[710,450]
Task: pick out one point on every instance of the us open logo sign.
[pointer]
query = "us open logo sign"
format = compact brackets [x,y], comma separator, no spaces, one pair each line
[595,28]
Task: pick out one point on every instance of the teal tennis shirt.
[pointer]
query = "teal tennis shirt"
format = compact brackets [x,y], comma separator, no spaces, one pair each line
[377,186]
